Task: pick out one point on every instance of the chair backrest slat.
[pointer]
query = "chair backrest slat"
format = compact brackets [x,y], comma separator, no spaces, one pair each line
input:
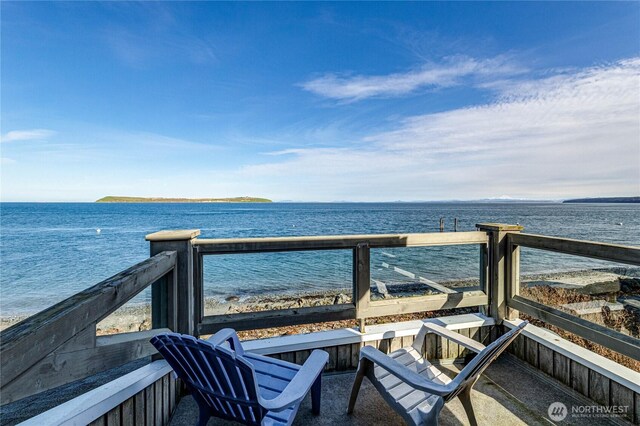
[217,376]
[472,371]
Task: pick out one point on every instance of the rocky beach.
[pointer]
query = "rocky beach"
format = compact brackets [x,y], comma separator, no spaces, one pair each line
[137,317]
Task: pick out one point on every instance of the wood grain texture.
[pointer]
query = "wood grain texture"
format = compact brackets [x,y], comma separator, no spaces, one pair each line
[139,408]
[252,245]
[580,378]
[531,351]
[614,340]
[128,412]
[24,344]
[599,388]
[562,368]
[278,318]
[613,252]
[622,396]
[545,359]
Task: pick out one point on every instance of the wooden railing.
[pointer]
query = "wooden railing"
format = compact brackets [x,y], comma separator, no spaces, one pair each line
[59,344]
[607,337]
[361,306]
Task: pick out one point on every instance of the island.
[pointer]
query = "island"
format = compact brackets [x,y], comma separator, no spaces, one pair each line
[118,199]
[605,200]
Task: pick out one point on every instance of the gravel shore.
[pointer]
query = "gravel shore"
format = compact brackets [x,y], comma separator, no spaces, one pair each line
[137,317]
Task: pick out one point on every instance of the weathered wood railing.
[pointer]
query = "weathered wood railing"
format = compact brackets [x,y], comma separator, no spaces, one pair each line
[607,337]
[361,306]
[59,344]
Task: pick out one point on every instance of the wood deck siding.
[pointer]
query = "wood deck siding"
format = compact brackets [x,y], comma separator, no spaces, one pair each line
[59,345]
[435,348]
[152,406]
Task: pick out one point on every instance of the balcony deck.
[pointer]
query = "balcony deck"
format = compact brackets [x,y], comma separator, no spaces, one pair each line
[510,392]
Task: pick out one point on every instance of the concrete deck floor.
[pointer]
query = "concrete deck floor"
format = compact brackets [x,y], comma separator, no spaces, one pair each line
[509,393]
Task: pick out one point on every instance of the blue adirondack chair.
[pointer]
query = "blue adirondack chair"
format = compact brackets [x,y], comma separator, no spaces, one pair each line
[232,384]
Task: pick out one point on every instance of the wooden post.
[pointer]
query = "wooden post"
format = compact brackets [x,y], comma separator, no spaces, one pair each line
[173,304]
[503,268]
[442,224]
[361,281]
[455,224]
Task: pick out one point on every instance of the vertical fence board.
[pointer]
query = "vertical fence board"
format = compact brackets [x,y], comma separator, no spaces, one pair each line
[100,421]
[518,346]
[157,387]
[333,357]
[344,357]
[113,417]
[396,343]
[289,357]
[148,406]
[599,388]
[165,399]
[580,378]
[302,356]
[545,359]
[172,394]
[355,355]
[622,396]
[128,414]
[138,401]
[531,351]
[562,368]
[441,347]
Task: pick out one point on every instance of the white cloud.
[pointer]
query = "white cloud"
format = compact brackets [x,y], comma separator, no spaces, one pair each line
[567,135]
[453,71]
[26,135]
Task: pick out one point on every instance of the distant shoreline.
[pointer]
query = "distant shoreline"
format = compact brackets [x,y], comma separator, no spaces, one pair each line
[625,200]
[118,199]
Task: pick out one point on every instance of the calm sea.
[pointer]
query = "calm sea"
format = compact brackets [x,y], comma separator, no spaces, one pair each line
[50,251]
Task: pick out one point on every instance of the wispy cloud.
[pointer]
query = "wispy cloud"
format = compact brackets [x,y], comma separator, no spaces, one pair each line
[159,35]
[451,72]
[571,134]
[26,135]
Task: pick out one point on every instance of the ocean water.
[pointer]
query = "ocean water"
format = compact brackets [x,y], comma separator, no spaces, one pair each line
[49,251]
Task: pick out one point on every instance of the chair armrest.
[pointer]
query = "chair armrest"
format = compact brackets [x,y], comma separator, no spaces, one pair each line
[227,335]
[403,373]
[298,388]
[458,338]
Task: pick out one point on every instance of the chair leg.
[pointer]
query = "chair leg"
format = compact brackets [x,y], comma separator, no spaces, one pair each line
[315,395]
[465,398]
[362,369]
[204,416]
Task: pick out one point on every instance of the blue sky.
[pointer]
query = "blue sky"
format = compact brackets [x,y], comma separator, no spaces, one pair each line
[320,101]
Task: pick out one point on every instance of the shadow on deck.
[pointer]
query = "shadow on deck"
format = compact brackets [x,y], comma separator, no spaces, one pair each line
[510,392]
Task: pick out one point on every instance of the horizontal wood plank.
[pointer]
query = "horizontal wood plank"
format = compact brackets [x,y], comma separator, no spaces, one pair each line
[29,341]
[596,333]
[612,252]
[435,302]
[278,318]
[334,242]
[59,368]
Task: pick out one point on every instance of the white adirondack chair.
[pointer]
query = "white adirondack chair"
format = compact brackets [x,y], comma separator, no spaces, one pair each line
[232,384]
[415,388]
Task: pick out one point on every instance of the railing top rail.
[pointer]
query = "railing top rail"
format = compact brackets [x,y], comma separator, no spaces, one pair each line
[593,249]
[329,242]
[32,339]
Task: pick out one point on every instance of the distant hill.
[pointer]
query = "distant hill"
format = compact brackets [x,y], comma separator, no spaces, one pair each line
[116,199]
[605,200]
